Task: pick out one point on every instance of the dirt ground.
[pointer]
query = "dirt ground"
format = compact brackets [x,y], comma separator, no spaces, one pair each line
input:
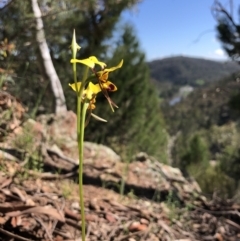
[39,198]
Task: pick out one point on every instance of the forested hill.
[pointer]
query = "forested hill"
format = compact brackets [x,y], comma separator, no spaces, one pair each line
[182,71]
[216,104]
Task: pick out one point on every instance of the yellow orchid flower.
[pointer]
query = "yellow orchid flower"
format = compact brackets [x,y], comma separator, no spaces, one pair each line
[90,62]
[73,86]
[103,74]
[107,85]
[90,92]
[104,84]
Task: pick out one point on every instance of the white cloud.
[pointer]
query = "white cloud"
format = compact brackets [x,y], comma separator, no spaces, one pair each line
[219,52]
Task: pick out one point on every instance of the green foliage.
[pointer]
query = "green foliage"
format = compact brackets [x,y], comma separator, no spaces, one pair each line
[219,144]
[215,180]
[200,82]
[198,150]
[221,139]
[234,102]
[194,156]
[230,162]
[219,177]
[67,187]
[223,143]
[137,125]
[173,206]
[25,140]
[26,143]
[205,107]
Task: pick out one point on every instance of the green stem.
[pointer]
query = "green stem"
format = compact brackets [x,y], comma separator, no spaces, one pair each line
[85,74]
[81,116]
[81,126]
[74,72]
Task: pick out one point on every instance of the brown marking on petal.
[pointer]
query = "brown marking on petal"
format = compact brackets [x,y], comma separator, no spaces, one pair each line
[111,87]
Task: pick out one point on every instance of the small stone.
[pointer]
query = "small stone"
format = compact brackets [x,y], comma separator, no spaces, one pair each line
[144,221]
[110,218]
[137,226]
[75,205]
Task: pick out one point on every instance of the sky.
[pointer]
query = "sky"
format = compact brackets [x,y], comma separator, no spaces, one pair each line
[168,28]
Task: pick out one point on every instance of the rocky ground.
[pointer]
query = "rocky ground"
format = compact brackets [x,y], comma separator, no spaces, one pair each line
[39,192]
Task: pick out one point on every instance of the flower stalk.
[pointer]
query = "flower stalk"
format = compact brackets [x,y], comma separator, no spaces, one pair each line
[80,135]
[86,93]
[81,115]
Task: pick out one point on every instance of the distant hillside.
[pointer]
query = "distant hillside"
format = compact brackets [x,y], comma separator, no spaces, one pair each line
[185,70]
[171,73]
[216,104]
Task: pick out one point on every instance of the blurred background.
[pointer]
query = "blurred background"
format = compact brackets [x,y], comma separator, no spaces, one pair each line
[178,90]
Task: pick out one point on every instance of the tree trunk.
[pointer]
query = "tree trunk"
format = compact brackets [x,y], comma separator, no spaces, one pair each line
[60,103]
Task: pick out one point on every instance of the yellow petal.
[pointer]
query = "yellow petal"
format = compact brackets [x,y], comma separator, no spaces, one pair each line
[90,62]
[102,75]
[114,68]
[95,88]
[87,62]
[92,90]
[96,61]
[73,86]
